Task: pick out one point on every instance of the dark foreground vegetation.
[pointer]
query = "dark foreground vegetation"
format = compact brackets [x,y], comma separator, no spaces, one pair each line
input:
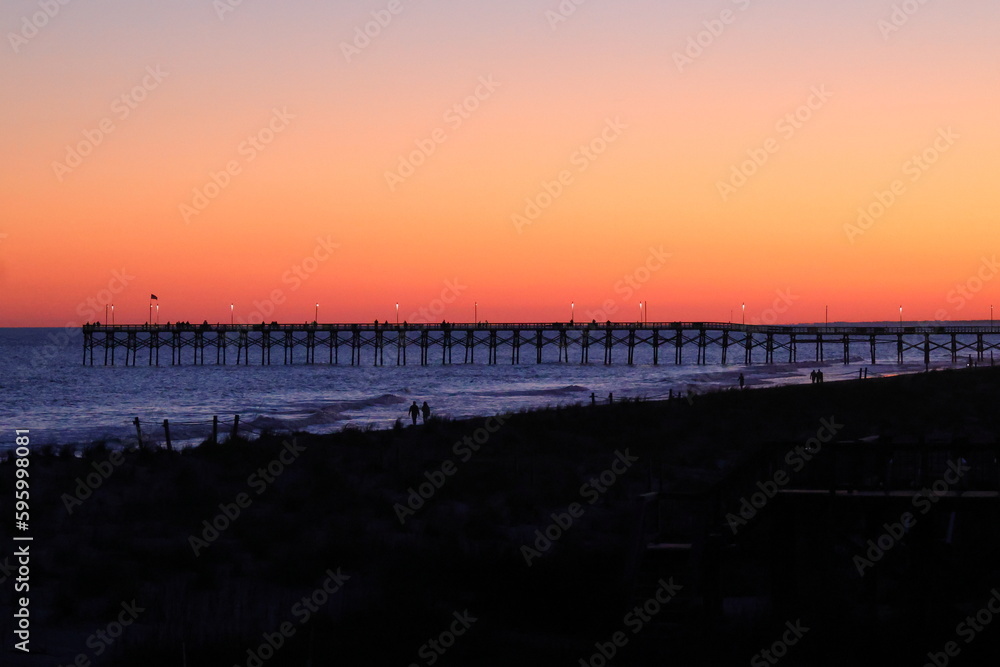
[381,547]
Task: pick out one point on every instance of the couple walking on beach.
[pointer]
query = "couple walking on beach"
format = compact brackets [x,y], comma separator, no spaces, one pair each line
[415,411]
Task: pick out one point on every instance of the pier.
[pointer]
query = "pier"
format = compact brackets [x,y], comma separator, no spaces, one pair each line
[447,343]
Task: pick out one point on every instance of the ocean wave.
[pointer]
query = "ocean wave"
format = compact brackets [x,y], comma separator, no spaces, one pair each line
[554,391]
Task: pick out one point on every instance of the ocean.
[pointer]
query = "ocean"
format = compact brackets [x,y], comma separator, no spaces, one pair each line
[44,387]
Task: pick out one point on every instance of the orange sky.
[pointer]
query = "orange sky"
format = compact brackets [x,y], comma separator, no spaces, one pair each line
[311,217]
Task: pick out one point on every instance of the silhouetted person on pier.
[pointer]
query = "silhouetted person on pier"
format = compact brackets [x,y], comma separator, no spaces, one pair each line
[742,381]
[819,377]
[414,412]
[812,377]
[593,398]
[426,410]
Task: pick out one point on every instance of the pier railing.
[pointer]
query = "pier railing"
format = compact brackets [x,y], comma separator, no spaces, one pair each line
[751,342]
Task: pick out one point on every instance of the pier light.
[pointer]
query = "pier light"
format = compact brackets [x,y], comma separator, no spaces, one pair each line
[640,313]
[572,311]
[744,306]
[316,319]
[157,314]
[232,315]
[900,314]
[397,313]
[112,314]
[475,313]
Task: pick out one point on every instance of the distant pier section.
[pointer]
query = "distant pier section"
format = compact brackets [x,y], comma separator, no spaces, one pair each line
[685,342]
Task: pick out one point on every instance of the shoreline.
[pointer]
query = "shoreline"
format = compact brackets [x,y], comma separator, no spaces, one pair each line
[153,435]
[354,502]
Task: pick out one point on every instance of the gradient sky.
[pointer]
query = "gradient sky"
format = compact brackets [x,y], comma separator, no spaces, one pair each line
[786,242]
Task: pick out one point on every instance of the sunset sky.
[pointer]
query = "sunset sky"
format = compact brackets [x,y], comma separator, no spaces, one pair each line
[271,155]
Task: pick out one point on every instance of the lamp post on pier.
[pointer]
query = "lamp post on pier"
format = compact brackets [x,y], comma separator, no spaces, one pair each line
[316,319]
[397,313]
[232,315]
[572,311]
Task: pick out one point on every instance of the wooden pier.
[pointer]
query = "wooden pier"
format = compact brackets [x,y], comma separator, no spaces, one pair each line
[313,343]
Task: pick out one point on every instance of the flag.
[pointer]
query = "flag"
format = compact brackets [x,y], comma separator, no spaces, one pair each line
[152,297]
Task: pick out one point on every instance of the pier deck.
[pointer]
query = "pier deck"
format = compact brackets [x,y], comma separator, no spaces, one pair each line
[359,344]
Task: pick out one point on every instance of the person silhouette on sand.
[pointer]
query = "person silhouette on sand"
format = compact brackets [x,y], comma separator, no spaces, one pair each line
[414,412]
[742,381]
[426,409]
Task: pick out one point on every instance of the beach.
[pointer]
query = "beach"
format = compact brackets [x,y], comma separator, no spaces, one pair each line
[512,539]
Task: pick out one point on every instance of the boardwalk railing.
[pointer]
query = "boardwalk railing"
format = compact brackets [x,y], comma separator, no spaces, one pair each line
[720,340]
